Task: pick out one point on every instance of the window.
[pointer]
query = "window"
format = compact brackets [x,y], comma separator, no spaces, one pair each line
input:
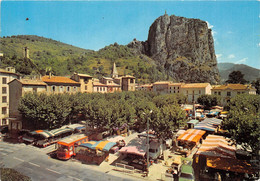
[4,80]
[178,91]
[199,91]
[103,88]
[61,89]
[97,88]
[4,122]
[4,90]
[178,87]
[228,93]
[75,89]
[238,92]
[131,81]
[34,89]
[4,110]
[68,88]
[215,93]
[219,93]
[173,91]
[4,99]
[174,87]
[86,87]
[53,88]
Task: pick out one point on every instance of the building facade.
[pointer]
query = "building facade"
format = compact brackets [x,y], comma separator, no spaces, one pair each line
[128,83]
[6,75]
[161,86]
[174,88]
[228,91]
[194,90]
[86,82]
[57,84]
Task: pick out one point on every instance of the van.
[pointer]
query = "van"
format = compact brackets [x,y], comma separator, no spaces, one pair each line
[156,149]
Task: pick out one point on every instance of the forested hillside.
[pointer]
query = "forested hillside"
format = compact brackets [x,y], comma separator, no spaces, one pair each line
[64,59]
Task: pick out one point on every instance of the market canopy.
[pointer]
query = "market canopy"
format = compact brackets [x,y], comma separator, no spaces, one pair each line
[208,124]
[44,133]
[191,135]
[136,146]
[99,145]
[217,146]
[230,164]
[59,131]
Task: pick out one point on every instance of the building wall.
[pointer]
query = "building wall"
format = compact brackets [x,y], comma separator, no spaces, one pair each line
[15,93]
[101,89]
[128,84]
[62,88]
[5,78]
[160,88]
[174,89]
[86,83]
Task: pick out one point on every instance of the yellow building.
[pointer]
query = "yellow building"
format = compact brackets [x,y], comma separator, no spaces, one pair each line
[128,83]
[228,91]
[194,90]
[86,82]
[6,75]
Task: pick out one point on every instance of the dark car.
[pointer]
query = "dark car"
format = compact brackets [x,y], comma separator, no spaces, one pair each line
[4,129]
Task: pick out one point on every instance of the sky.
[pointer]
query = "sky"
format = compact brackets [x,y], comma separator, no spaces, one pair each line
[96,24]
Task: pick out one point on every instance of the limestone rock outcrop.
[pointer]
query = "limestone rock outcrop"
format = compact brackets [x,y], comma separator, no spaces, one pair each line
[183,46]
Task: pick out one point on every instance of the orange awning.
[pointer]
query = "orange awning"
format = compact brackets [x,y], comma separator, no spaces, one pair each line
[191,135]
[230,164]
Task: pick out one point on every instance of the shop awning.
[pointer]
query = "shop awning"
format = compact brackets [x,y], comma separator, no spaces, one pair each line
[59,131]
[230,164]
[191,135]
[136,146]
[44,133]
[217,146]
[208,124]
[88,144]
[103,145]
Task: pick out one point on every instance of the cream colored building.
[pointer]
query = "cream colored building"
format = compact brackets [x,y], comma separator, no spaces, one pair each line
[99,87]
[17,88]
[229,91]
[161,86]
[57,84]
[145,87]
[6,75]
[86,82]
[194,90]
[175,88]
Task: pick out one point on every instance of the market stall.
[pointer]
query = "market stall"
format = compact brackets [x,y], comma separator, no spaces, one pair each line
[94,151]
[189,140]
[209,124]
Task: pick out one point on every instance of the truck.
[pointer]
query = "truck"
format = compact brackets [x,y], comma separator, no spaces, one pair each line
[65,148]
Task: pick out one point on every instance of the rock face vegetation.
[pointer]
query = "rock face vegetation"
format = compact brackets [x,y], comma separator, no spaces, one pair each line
[184,47]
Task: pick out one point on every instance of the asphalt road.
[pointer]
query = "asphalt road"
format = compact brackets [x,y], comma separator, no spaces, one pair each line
[35,163]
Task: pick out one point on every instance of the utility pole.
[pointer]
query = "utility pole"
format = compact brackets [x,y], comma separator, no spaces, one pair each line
[147,141]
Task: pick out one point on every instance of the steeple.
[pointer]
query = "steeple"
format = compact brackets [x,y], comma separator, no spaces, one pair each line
[114,71]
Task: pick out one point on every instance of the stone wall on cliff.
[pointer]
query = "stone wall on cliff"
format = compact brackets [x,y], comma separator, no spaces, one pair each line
[183,46]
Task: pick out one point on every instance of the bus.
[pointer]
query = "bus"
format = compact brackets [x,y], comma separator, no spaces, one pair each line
[66,146]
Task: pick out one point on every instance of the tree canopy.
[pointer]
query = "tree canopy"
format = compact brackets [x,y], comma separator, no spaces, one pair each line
[236,77]
[104,111]
[243,122]
[209,100]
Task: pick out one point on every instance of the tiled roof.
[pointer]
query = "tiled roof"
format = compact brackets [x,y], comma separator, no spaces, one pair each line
[146,85]
[83,75]
[195,85]
[232,86]
[98,84]
[161,82]
[177,84]
[7,72]
[127,76]
[32,82]
[57,79]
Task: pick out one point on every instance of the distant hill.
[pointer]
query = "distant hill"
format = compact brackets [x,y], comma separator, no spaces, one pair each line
[65,59]
[250,73]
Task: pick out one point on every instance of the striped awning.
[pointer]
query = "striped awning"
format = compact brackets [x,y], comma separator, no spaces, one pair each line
[191,135]
[217,146]
[88,144]
[44,133]
[208,124]
[59,131]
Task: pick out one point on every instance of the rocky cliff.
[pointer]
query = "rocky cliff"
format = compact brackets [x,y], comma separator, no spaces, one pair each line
[183,47]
